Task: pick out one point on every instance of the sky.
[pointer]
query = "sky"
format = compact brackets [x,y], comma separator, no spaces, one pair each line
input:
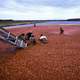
[39,9]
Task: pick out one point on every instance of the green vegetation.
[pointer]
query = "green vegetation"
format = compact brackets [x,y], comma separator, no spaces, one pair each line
[74,19]
[19,22]
[12,22]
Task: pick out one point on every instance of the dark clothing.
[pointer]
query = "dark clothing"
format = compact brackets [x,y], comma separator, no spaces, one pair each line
[32,40]
[21,37]
[61,30]
[28,35]
[34,25]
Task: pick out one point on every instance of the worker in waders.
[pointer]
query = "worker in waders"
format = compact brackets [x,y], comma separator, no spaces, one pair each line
[61,30]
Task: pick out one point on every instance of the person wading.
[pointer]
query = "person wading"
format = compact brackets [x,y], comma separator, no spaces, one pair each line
[61,30]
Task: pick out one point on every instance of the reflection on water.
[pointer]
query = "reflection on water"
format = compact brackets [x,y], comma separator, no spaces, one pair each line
[9,51]
[59,22]
[46,23]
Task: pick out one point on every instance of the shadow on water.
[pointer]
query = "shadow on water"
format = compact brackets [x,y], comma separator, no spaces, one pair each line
[6,49]
[7,54]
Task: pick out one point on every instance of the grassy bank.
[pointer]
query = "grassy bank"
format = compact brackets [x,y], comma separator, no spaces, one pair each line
[11,22]
[17,22]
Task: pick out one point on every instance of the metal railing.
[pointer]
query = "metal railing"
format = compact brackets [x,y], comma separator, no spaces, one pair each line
[11,38]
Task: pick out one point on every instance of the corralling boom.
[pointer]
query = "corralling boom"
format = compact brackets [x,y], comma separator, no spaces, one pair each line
[11,38]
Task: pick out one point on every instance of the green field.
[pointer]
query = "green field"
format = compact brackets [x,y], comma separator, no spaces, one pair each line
[11,22]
